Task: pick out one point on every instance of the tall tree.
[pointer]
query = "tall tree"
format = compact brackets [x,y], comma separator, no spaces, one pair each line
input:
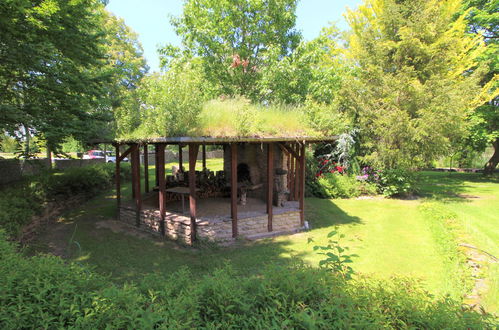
[127,65]
[313,70]
[416,78]
[483,18]
[233,38]
[50,55]
[169,102]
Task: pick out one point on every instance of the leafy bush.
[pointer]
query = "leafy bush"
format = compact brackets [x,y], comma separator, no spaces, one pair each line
[336,259]
[397,182]
[21,202]
[327,179]
[45,292]
[336,185]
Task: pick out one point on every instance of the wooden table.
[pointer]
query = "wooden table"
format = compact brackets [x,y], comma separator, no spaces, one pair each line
[182,191]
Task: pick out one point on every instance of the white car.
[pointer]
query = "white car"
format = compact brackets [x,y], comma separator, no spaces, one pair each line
[98,154]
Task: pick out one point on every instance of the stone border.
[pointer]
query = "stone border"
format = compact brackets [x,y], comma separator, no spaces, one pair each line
[177,226]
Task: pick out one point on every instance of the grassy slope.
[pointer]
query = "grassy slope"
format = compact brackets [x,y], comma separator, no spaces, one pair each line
[475,201]
[390,236]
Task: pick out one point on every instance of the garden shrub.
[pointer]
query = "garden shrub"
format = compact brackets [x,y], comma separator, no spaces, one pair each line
[327,179]
[336,185]
[19,203]
[397,182]
[45,292]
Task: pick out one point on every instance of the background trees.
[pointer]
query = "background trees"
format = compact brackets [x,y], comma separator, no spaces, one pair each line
[235,39]
[483,20]
[50,59]
[64,67]
[417,77]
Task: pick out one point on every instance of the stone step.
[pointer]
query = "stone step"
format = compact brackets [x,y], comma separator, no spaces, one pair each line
[271,234]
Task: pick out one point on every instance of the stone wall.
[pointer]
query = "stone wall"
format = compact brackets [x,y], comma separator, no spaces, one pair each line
[177,227]
[62,164]
[221,231]
[34,166]
[10,171]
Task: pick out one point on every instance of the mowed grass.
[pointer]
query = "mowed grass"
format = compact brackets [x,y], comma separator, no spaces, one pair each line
[392,237]
[475,201]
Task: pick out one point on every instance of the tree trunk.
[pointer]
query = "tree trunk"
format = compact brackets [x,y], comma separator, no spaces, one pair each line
[49,156]
[492,163]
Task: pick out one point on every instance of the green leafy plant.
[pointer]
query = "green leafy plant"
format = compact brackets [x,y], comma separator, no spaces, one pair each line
[72,242]
[336,260]
[19,203]
[397,182]
[46,292]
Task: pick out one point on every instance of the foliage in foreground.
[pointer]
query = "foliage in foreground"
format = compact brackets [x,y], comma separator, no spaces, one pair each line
[19,203]
[45,292]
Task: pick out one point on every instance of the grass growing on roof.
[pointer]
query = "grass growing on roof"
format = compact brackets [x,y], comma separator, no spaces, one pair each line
[239,118]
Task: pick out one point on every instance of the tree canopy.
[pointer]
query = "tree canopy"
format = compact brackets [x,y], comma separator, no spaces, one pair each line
[417,78]
[235,38]
[51,55]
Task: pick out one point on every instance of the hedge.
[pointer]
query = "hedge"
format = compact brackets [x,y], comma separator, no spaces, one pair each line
[44,292]
[20,202]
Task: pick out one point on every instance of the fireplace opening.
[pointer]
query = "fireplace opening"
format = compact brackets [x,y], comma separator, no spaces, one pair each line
[243,173]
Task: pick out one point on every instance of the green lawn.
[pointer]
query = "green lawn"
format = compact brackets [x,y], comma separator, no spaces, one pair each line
[391,236]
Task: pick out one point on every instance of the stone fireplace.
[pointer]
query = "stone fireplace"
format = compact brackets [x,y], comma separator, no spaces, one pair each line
[252,171]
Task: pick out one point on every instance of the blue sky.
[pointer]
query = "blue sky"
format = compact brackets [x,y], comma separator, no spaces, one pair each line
[150,19]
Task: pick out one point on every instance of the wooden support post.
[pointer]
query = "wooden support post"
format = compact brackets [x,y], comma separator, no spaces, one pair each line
[160,166]
[156,161]
[126,153]
[288,176]
[233,187]
[302,185]
[180,160]
[146,169]
[118,182]
[136,182]
[204,157]
[297,174]
[291,174]
[193,155]
[132,162]
[270,184]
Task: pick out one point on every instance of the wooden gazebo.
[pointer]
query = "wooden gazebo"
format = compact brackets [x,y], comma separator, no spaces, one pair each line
[291,154]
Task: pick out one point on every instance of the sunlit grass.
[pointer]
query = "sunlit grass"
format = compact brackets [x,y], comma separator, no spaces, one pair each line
[391,237]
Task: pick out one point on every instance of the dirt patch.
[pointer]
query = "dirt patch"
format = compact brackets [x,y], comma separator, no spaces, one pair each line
[467,196]
[54,237]
[118,227]
[51,214]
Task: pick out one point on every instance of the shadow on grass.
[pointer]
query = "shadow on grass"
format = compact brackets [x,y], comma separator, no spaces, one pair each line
[128,257]
[325,213]
[452,187]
